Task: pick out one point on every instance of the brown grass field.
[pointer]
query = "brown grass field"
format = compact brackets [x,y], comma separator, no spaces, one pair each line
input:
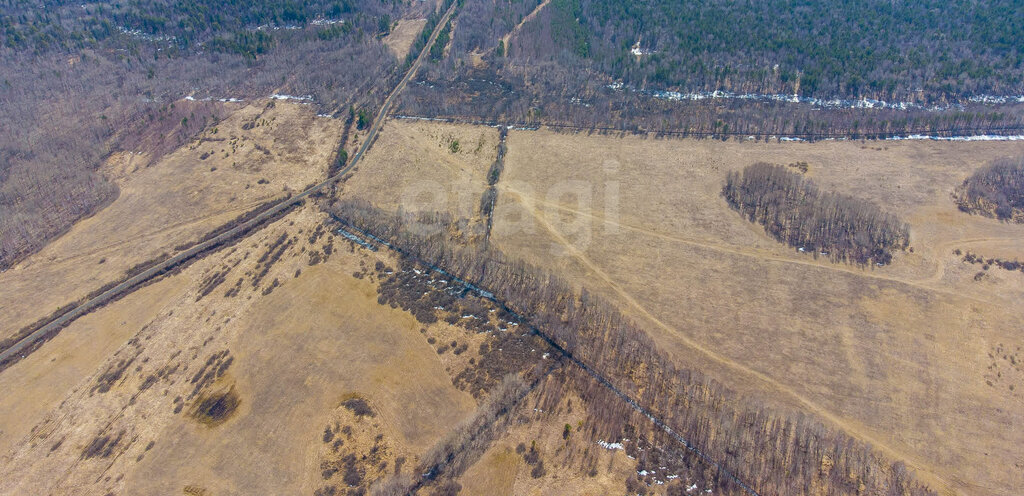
[400,39]
[906,357]
[290,372]
[171,202]
[413,166]
[914,357]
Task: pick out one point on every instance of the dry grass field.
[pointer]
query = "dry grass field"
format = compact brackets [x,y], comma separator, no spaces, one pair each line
[917,358]
[909,357]
[115,403]
[257,153]
[40,382]
[291,375]
[236,374]
[426,166]
[401,37]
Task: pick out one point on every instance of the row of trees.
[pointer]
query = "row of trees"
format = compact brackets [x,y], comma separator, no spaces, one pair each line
[794,211]
[509,94]
[996,190]
[773,453]
[421,40]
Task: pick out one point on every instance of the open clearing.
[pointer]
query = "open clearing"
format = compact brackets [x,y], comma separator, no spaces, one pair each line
[257,153]
[868,350]
[400,39]
[424,166]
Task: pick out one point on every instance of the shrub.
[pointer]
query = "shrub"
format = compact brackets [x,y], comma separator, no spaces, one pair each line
[359,407]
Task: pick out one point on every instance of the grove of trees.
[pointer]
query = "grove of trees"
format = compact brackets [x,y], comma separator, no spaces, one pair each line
[794,211]
[996,190]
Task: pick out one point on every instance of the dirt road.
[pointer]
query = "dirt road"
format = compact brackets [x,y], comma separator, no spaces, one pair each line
[23,346]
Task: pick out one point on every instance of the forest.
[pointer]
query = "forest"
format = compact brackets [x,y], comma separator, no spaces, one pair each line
[178,26]
[573,102]
[930,51]
[996,190]
[601,64]
[748,443]
[795,211]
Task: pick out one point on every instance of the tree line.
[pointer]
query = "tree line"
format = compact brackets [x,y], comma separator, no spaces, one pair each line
[795,211]
[772,452]
[501,92]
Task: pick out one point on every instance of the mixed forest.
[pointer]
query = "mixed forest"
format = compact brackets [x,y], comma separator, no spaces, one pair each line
[614,65]
[934,51]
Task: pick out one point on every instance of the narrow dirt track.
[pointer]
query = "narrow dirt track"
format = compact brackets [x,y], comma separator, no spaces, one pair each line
[238,231]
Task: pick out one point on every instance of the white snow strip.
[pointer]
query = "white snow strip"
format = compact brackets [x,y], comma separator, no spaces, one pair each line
[611,446]
[979,137]
[326,22]
[279,96]
[818,102]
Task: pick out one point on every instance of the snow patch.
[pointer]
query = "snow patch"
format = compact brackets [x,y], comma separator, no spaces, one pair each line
[326,22]
[280,96]
[211,99]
